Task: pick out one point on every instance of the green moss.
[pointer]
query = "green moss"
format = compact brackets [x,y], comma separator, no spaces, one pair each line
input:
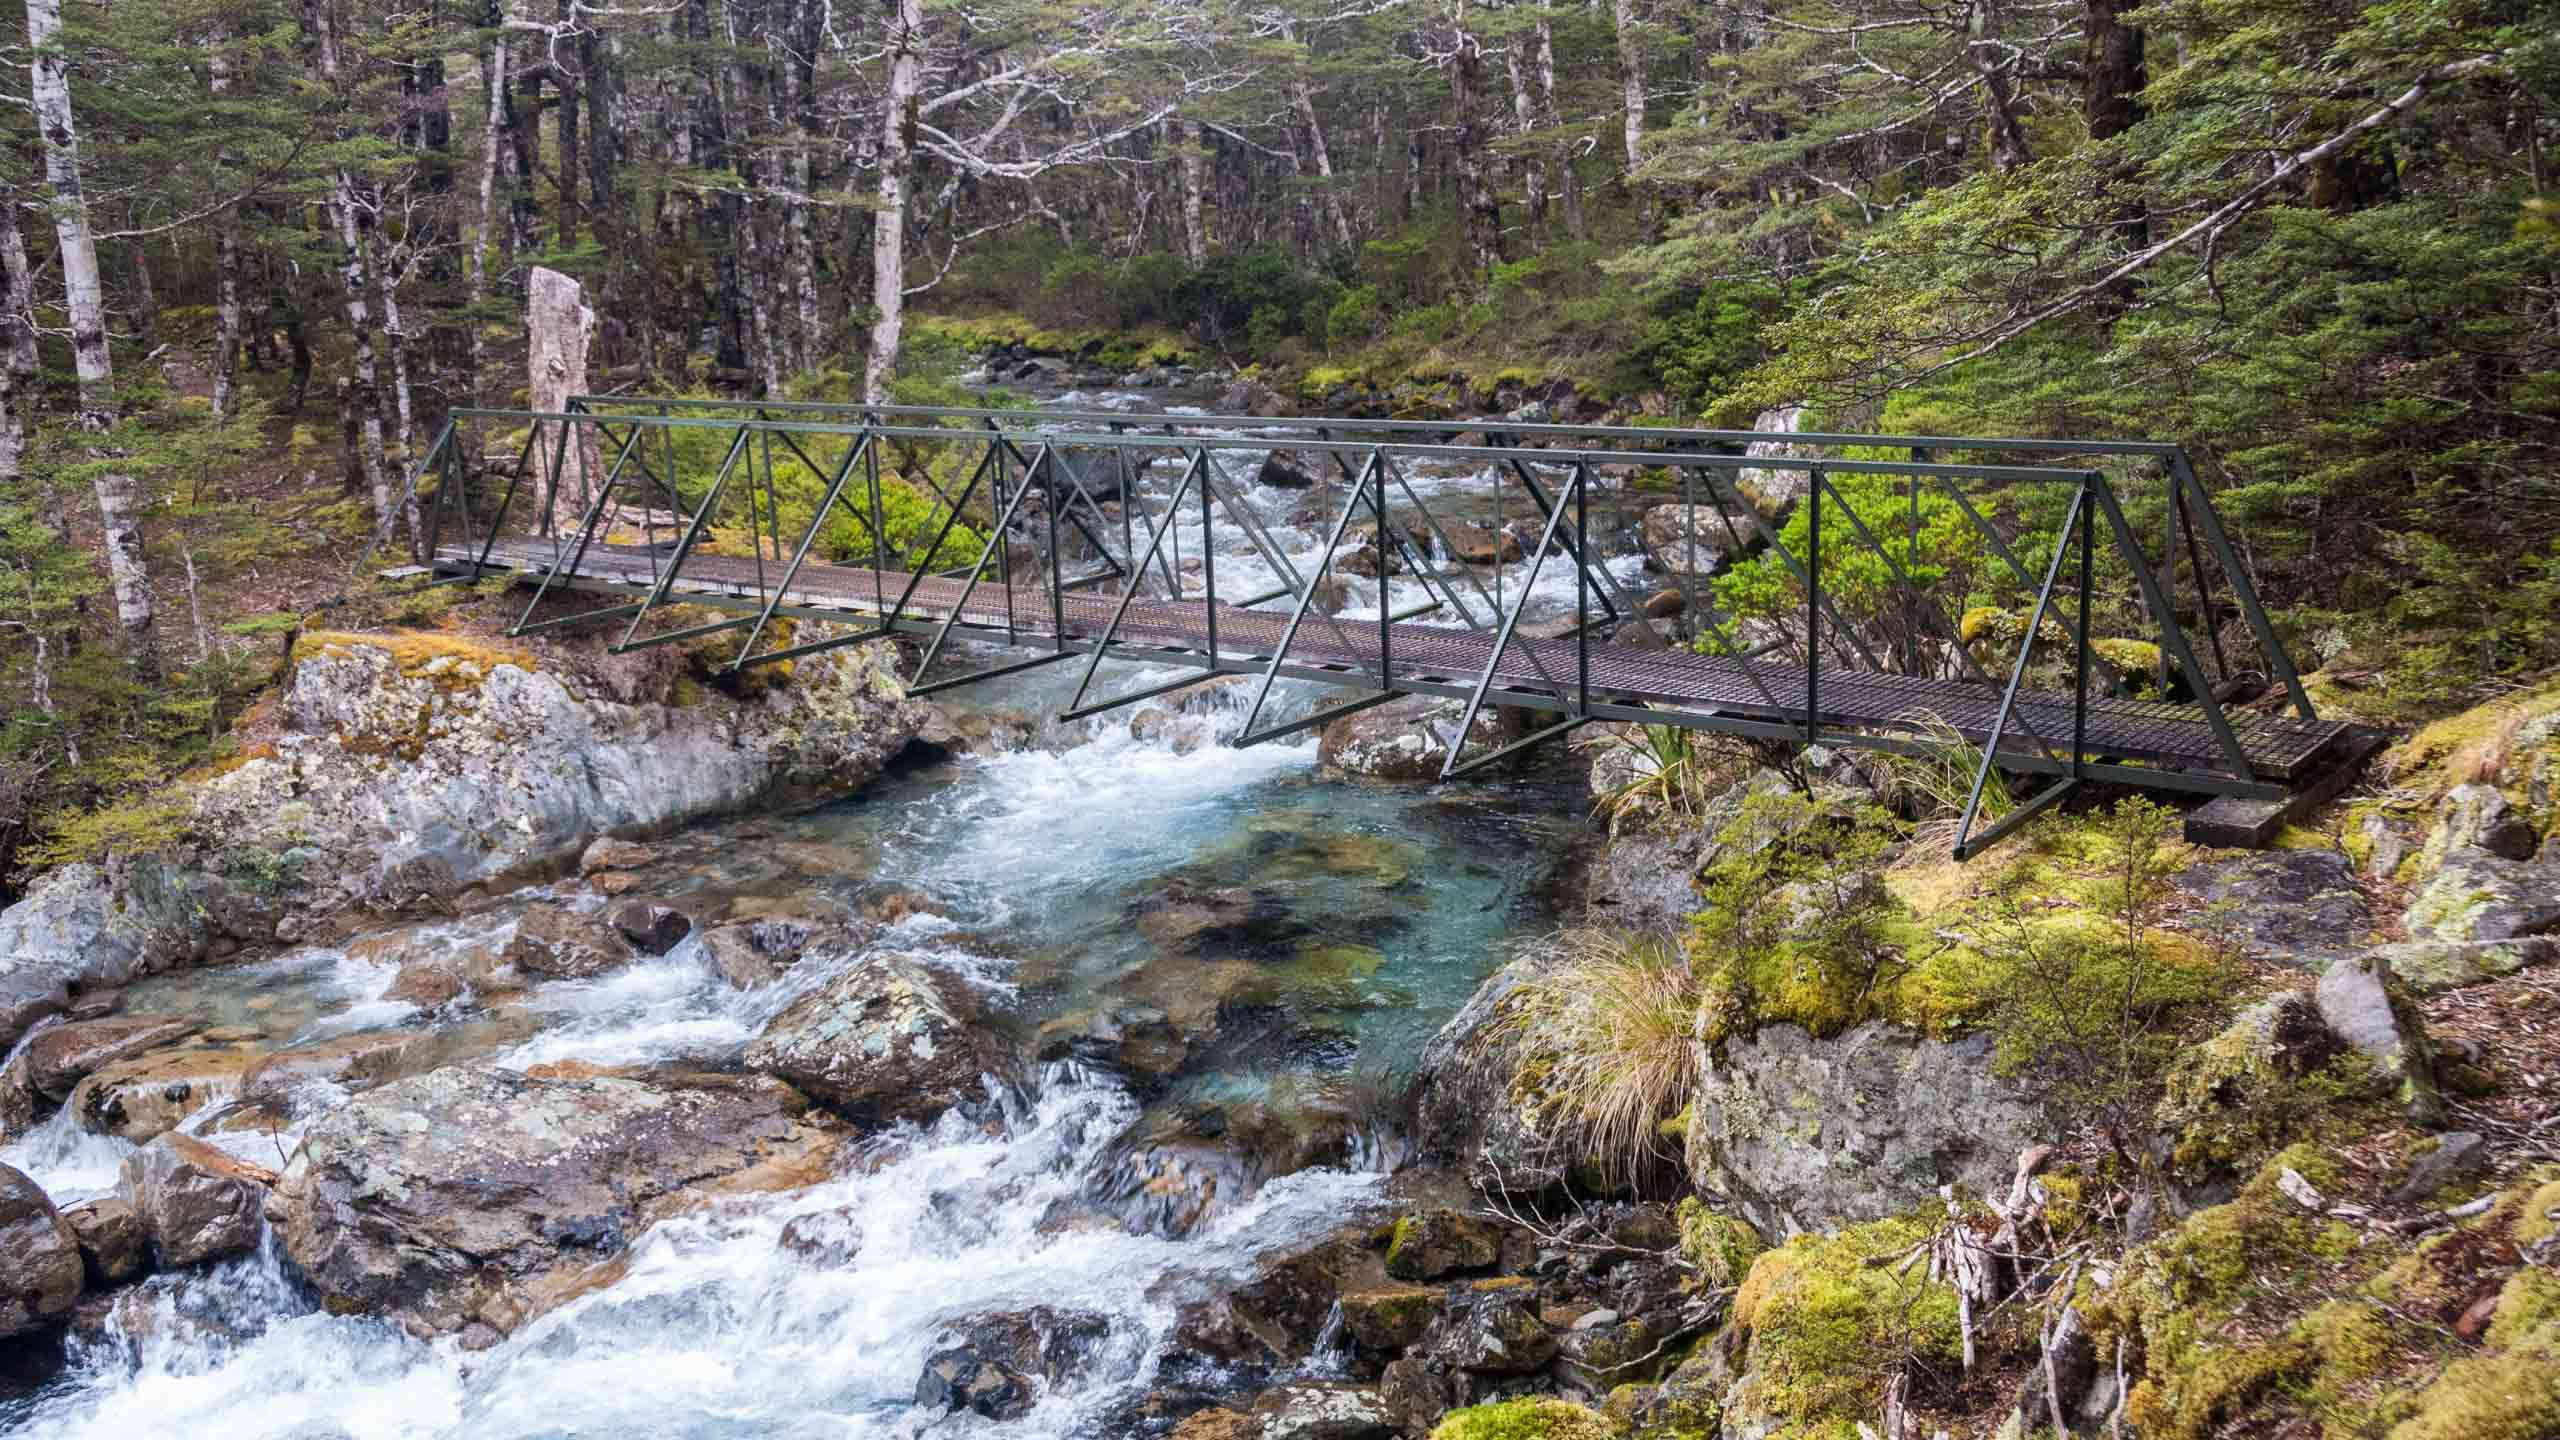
[2510,1395]
[2530,1301]
[1827,1316]
[1721,1246]
[1534,1417]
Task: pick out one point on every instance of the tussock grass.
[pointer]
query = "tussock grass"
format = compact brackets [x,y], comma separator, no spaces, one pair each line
[1623,1012]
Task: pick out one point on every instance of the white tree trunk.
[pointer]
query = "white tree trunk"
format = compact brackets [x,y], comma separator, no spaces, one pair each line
[119,498]
[1195,229]
[889,222]
[1631,79]
[226,268]
[493,66]
[1524,111]
[558,326]
[17,349]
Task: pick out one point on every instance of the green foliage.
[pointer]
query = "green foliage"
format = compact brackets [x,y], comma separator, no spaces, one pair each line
[1794,927]
[2084,1010]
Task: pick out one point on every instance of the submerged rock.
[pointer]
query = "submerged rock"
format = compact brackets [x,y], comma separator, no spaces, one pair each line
[479,1196]
[884,1040]
[40,1269]
[193,1201]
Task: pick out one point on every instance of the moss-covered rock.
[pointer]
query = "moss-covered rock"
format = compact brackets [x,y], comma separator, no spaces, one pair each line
[1828,1317]
[1721,1246]
[1532,1417]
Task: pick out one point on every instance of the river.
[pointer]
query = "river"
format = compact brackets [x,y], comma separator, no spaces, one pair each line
[1040,873]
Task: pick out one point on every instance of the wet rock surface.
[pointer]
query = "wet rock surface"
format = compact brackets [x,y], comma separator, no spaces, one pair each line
[999,1365]
[40,1269]
[1408,739]
[886,1039]
[475,1196]
[194,1202]
[565,944]
[150,1094]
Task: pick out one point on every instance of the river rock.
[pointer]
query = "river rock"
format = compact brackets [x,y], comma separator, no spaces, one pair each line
[1324,1410]
[1470,1114]
[59,1058]
[412,767]
[474,1195]
[1286,470]
[1431,1243]
[144,1096]
[565,944]
[996,1365]
[193,1200]
[2301,906]
[608,853]
[1696,539]
[754,953]
[354,1061]
[2476,895]
[1481,545]
[1407,739]
[40,1268]
[1801,1133]
[883,1040]
[113,1244]
[652,929]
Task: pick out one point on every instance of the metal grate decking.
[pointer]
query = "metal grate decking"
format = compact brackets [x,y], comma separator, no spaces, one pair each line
[1434,659]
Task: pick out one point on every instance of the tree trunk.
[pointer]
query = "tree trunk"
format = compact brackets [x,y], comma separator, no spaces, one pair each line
[2009,149]
[1483,207]
[119,498]
[1631,80]
[1524,110]
[1319,153]
[226,266]
[493,70]
[351,217]
[889,222]
[524,133]
[18,358]
[1195,229]
[146,301]
[396,340]
[1568,181]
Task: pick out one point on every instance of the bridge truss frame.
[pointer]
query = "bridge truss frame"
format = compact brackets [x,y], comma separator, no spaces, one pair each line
[1025,464]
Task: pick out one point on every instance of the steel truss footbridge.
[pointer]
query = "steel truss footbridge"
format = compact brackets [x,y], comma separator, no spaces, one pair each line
[1063,532]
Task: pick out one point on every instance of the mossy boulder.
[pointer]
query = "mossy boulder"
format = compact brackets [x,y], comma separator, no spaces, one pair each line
[1825,1318]
[1721,1246]
[1429,1244]
[1531,1417]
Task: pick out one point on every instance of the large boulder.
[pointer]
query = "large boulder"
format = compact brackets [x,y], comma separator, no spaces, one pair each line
[1408,738]
[470,1199]
[39,1257]
[1697,539]
[112,1241]
[1804,1133]
[885,1039]
[193,1201]
[416,767]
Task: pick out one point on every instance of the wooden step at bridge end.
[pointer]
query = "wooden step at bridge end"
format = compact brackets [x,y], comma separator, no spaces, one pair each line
[2232,822]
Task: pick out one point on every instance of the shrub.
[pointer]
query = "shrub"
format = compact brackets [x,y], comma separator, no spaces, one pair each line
[1624,1011]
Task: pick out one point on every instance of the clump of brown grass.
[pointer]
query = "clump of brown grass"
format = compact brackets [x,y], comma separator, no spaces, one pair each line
[1622,1014]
